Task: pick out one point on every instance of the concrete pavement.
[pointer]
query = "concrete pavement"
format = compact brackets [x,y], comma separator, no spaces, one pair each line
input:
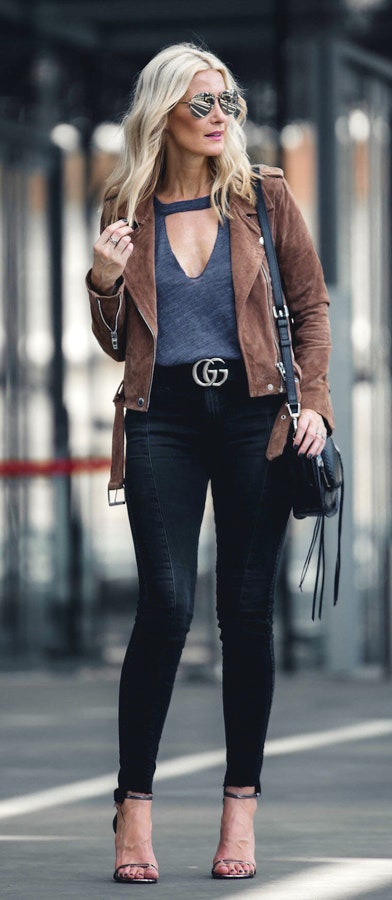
[324,823]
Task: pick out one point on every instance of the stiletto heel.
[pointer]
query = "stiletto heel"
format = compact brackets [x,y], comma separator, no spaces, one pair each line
[241,862]
[121,879]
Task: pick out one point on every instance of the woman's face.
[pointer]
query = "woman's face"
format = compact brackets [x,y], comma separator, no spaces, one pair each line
[202,136]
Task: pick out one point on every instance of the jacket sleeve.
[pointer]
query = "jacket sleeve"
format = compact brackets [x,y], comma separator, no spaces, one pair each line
[109,314]
[307,299]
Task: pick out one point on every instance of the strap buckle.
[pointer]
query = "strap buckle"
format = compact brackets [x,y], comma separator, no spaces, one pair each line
[294,410]
[280,313]
[114,501]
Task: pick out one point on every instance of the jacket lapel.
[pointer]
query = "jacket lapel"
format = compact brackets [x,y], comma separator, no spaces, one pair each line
[140,270]
[247,253]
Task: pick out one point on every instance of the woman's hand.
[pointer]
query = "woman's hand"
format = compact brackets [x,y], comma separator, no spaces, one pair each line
[111,253]
[311,433]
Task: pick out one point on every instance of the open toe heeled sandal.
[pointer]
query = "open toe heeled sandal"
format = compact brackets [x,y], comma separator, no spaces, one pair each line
[241,862]
[228,862]
[122,879]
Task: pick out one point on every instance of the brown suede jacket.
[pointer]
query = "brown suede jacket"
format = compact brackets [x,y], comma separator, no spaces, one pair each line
[125,324]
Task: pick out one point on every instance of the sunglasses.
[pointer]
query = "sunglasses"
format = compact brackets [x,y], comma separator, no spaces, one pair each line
[202,104]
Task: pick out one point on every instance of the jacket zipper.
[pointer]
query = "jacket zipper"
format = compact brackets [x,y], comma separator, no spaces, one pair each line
[113,332]
[279,363]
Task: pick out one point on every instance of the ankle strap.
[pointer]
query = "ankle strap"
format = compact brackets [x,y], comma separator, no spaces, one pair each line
[240,796]
[130,796]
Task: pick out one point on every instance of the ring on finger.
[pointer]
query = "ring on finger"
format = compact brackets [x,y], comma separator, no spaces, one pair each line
[113,241]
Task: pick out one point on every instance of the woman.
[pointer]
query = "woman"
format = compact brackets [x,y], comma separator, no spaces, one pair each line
[180,290]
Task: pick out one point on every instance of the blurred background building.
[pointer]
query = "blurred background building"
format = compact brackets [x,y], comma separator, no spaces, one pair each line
[318,81]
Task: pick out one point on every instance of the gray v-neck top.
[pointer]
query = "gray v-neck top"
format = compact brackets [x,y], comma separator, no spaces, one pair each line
[196,316]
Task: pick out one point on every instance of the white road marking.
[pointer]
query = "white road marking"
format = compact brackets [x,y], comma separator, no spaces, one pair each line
[335,879]
[186,765]
[29,838]
[34,720]
[301,742]
[96,787]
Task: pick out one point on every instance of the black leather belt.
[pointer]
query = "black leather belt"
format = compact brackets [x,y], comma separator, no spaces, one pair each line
[208,372]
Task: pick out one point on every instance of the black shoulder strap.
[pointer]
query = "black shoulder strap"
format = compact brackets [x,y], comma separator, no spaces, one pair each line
[280,310]
[281,314]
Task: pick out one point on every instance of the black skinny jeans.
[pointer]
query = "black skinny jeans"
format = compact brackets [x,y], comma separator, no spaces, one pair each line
[192,435]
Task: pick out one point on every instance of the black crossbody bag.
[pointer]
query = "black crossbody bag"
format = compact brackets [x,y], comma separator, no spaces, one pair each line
[317,485]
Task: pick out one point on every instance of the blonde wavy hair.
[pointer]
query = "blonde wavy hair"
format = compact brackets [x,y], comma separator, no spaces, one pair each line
[160,86]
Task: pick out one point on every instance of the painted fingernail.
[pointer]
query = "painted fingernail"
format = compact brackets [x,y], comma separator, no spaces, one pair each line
[126,221]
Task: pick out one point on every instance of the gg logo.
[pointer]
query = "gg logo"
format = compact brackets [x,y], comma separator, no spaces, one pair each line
[208,377]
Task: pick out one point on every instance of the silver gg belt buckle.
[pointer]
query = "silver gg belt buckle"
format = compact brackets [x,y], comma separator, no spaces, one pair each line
[204,376]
